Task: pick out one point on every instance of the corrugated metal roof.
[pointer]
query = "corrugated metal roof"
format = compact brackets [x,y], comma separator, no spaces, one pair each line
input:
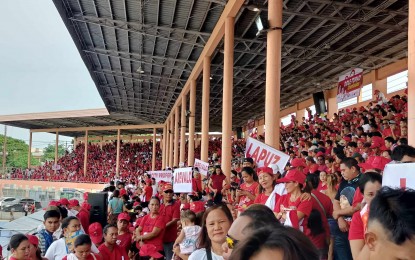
[164,38]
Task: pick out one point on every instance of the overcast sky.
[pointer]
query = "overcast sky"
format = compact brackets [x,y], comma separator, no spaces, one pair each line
[41,69]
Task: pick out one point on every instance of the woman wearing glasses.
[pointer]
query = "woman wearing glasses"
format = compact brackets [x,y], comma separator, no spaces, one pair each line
[215,225]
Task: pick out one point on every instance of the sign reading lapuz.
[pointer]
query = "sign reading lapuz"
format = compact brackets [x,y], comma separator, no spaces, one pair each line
[264,155]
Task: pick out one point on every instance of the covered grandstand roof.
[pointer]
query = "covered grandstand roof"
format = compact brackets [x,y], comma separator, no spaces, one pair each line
[141,53]
[72,120]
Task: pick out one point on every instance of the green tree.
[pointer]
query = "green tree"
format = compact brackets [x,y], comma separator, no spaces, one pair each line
[49,152]
[16,151]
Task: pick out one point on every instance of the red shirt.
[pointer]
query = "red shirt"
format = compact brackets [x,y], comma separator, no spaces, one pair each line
[124,241]
[245,201]
[217,181]
[303,206]
[169,212]
[358,198]
[147,225]
[89,257]
[356,230]
[261,199]
[197,184]
[326,213]
[116,254]
[83,217]
[149,192]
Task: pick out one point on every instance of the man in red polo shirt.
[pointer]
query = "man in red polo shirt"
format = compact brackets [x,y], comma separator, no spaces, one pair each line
[170,209]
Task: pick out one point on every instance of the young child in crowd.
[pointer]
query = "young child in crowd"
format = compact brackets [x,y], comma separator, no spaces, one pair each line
[189,234]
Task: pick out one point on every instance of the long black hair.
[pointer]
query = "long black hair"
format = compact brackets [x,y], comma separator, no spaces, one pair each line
[15,241]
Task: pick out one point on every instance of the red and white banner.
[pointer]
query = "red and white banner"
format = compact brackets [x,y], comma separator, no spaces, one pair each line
[202,166]
[349,85]
[399,175]
[182,182]
[161,175]
[264,155]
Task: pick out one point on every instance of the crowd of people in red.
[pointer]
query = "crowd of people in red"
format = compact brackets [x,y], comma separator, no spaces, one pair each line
[327,203]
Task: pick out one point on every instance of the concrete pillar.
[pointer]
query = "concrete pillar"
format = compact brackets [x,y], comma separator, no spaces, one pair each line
[56,149]
[163,148]
[260,130]
[117,164]
[176,137]
[192,108]
[171,141]
[273,74]
[183,130]
[167,163]
[227,96]
[411,74]
[4,149]
[86,153]
[205,110]
[29,155]
[153,157]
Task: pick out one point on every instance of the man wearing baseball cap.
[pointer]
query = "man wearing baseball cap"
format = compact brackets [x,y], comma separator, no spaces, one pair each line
[170,210]
[124,236]
[248,162]
[95,232]
[81,213]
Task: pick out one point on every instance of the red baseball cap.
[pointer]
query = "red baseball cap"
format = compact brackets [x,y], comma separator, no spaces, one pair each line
[54,203]
[320,154]
[148,181]
[73,203]
[33,240]
[263,170]
[95,232]
[150,250]
[124,216]
[197,206]
[297,162]
[375,162]
[293,175]
[167,187]
[64,201]
[185,206]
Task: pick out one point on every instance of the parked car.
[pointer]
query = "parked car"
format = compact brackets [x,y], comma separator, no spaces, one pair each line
[19,206]
[7,201]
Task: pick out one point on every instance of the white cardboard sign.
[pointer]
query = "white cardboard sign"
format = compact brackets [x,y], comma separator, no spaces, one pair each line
[202,166]
[182,182]
[161,175]
[399,175]
[264,155]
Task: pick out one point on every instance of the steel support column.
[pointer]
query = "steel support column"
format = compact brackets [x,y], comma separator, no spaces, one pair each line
[86,153]
[153,156]
[117,164]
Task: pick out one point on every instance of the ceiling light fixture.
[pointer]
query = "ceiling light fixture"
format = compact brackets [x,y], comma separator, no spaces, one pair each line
[140,70]
[253,8]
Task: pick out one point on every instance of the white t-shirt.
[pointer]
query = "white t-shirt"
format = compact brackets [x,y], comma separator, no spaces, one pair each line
[200,254]
[57,250]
